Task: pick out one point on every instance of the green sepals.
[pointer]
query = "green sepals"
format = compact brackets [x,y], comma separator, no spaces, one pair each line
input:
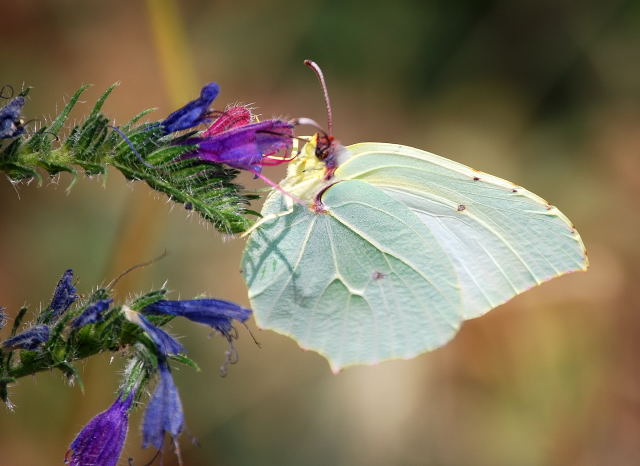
[56,330]
[186,360]
[143,138]
[137,118]
[41,140]
[85,142]
[18,320]
[147,299]
[167,154]
[138,371]
[4,384]
[71,373]
[59,122]
[100,102]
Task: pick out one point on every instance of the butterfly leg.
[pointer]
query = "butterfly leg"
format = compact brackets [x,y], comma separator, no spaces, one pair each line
[295,199]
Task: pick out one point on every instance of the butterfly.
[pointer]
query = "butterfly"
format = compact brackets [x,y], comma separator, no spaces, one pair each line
[395,248]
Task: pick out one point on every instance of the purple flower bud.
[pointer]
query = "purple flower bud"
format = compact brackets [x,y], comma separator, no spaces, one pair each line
[216,313]
[246,147]
[11,125]
[164,411]
[64,295]
[92,313]
[100,442]
[29,339]
[165,343]
[193,113]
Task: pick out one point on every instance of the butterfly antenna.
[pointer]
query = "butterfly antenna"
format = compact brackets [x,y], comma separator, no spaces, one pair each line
[314,66]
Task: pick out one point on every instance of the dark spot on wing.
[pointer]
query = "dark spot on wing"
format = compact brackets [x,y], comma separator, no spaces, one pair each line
[514,190]
[377,275]
[461,207]
[475,178]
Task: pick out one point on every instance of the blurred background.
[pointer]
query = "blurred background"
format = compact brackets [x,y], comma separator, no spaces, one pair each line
[543,93]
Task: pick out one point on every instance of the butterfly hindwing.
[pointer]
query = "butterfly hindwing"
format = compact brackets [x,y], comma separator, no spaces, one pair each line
[362,283]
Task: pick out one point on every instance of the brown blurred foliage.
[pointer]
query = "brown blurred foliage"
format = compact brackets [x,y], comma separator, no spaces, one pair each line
[544,93]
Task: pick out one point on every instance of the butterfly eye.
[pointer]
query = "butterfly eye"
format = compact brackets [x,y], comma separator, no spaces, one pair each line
[323,147]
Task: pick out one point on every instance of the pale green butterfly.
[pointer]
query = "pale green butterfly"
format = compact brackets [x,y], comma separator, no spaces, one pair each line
[393,248]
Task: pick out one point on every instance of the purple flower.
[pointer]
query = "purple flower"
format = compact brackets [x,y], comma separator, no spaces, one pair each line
[193,113]
[247,147]
[29,339]
[100,442]
[164,412]
[92,313]
[64,295]
[216,313]
[11,125]
[165,343]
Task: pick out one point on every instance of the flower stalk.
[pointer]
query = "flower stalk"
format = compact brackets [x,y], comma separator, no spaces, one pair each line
[147,152]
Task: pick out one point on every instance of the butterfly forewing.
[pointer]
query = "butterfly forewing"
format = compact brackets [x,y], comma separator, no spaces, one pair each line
[500,238]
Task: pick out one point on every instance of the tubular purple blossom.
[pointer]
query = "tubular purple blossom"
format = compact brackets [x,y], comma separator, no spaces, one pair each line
[192,114]
[92,313]
[247,147]
[29,339]
[64,295]
[165,343]
[216,313]
[100,442]
[164,412]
